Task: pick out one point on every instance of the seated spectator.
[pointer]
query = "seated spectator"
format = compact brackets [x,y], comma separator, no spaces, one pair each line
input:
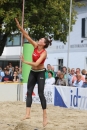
[78,82]
[85,83]
[50,80]
[61,81]
[15,77]
[7,78]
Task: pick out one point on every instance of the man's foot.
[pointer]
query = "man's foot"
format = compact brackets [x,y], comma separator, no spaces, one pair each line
[45,122]
[25,117]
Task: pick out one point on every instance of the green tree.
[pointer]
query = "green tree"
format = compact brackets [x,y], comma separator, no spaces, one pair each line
[43,17]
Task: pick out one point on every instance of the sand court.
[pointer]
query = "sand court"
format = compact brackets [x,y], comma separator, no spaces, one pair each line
[58,118]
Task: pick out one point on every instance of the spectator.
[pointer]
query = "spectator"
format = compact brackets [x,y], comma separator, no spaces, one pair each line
[54,73]
[64,70]
[75,78]
[7,67]
[78,82]
[20,75]
[85,83]
[50,80]
[61,81]
[83,72]
[48,69]
[15,77]
[10,69]
[16,69]
[7,78]
[72,73]
[1,74]
[57,76]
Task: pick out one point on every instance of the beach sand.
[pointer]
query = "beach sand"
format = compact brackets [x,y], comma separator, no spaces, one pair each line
[58,118]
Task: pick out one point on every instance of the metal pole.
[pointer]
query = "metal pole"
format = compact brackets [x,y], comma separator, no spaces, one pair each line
[69,40]
[22,40]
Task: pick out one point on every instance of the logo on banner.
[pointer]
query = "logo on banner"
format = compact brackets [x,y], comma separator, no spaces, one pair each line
[48,96]
[78,100]
[74,98]
[59,101]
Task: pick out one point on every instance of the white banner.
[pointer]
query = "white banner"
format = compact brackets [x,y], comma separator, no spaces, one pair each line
[48,92]
[70,97]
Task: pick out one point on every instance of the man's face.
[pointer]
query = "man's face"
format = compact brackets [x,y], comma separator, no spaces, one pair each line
[58,73]
[7,72]
[48,67]
[77,71]
[64,70]
[10,65]
[72,71]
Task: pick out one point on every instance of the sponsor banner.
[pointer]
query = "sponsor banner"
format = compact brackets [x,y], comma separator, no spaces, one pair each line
[70,97]
[48,92]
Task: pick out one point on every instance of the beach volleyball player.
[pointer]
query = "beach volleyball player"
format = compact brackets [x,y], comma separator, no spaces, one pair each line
[37,72]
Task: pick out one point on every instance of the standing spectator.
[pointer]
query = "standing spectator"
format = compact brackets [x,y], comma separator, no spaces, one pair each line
[64,70]
[7,78]
[54,73]
[61,81]
[72,73]
[57,76]
[1,74]
[50,80]
[48,69]
[10,69]
[66,75]
[78,82]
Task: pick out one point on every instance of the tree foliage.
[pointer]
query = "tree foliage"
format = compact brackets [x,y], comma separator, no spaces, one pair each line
[41,17]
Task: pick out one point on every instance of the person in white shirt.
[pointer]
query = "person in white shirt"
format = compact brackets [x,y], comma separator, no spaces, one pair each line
[78,82]
[50,80]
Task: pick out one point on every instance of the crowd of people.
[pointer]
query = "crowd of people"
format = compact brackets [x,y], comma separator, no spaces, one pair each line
[75,77]
[10,74]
